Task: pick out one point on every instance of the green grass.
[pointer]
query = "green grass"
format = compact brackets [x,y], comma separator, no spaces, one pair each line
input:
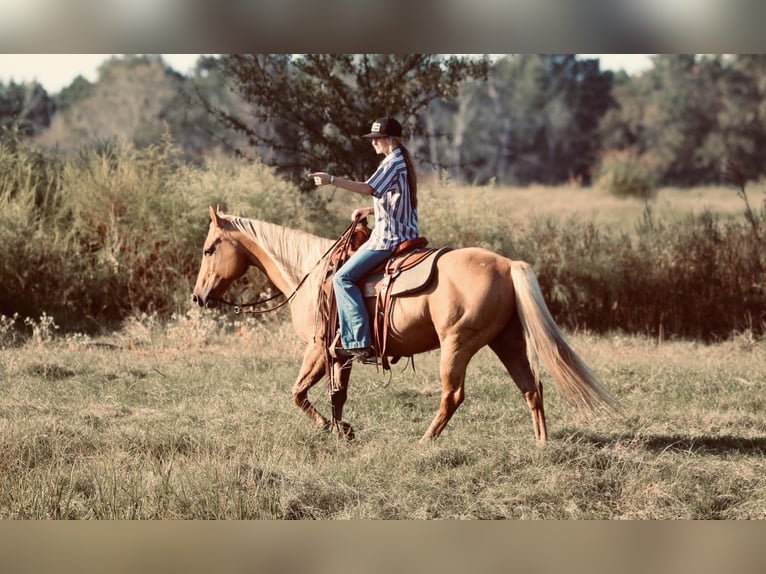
[195,420]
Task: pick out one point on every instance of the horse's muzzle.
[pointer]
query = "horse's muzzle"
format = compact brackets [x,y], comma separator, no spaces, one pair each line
[199,300]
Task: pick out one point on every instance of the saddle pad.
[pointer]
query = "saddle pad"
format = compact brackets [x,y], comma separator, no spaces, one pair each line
[409,281]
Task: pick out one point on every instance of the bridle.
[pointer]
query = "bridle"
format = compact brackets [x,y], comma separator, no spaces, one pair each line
[244,308]
[239,308]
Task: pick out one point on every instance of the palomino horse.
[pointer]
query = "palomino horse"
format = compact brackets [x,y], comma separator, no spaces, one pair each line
[476,298]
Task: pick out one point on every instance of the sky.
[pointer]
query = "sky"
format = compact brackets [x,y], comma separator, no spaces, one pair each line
[56,71]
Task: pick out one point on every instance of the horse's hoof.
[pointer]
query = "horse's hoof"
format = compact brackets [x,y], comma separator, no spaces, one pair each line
[345,430]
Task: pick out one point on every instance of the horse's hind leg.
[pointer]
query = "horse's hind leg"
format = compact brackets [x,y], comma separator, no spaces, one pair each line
[452,369]
[511,348]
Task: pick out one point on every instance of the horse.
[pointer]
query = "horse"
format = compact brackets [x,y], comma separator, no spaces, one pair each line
[475,298]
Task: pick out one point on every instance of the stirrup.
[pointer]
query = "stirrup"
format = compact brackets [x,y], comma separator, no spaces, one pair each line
[365,355]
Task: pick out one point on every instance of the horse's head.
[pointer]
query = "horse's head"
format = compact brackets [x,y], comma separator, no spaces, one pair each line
[223,262]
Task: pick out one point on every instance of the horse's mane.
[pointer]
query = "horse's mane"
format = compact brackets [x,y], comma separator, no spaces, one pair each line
[294,252]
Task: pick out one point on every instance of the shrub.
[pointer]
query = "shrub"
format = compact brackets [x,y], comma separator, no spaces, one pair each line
[626,174]
[467,220]
[115,231]
[697,277]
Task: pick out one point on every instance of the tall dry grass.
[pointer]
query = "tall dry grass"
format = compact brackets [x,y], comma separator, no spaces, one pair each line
[193,419]
[94,239]
[114,231]
[688,263]
[179,413]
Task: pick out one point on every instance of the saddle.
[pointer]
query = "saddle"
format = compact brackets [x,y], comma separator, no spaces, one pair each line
[408,271]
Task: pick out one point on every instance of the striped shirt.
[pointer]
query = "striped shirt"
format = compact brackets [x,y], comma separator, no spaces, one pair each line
[395,218]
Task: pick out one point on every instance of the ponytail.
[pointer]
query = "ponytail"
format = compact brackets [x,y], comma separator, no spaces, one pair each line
[412,178]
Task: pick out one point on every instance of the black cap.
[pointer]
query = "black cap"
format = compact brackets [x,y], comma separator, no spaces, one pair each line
[385,127]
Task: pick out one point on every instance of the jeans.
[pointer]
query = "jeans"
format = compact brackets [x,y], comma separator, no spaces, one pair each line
[353,319]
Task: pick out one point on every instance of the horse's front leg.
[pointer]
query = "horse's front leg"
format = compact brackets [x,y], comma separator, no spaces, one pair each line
[341,376]
[312,371]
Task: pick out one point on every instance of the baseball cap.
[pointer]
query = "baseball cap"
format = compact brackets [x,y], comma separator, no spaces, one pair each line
[385,127]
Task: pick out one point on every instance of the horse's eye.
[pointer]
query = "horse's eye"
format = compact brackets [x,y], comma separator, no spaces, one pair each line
[209,251]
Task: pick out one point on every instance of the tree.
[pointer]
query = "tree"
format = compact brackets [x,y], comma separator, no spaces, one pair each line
[308,111]
[126,102]
[681,113]
[690,114]
[25,107]
[540,120]
[79,90]
[195,130]
[741,134]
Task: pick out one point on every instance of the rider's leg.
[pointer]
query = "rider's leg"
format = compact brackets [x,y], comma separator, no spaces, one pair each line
[353,319]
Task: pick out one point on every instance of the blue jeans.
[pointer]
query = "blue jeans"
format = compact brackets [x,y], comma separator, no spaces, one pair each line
[353,319]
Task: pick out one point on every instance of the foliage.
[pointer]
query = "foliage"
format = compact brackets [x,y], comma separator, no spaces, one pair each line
[692,114]
[127,102]
[92,239]
[115,231]
[70,96]
[540,124]
[9,333]
[196,131]
[25,108]
[138,98]
[626,174]
[696,275]
[516,119]
[308,111]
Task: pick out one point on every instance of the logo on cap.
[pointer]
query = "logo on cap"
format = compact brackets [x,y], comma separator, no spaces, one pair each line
[385,127]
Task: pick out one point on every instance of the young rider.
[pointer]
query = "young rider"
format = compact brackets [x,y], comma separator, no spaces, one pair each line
[393,188]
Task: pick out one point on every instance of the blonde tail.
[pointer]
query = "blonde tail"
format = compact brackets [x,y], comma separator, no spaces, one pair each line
[547,344]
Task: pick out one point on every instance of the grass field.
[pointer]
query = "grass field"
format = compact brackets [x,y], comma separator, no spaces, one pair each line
[195,420]
[598,205]
[521,204]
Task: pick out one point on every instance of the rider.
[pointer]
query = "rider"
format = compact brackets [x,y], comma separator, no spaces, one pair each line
[394,189]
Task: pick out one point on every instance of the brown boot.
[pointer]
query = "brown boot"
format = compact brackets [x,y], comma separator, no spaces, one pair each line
[365,355]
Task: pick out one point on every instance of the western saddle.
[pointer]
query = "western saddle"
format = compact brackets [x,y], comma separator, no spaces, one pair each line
[408,270]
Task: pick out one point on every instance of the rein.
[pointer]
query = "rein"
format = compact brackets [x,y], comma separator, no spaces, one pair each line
[239,307]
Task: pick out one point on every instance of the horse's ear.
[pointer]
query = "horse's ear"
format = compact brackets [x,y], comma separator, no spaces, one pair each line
[215,218]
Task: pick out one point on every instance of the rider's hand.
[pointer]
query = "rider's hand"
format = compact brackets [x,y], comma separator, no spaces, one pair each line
[361,213]
[320,178]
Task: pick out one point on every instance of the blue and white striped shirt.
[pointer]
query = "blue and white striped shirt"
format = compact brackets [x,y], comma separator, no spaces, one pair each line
[395,218]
